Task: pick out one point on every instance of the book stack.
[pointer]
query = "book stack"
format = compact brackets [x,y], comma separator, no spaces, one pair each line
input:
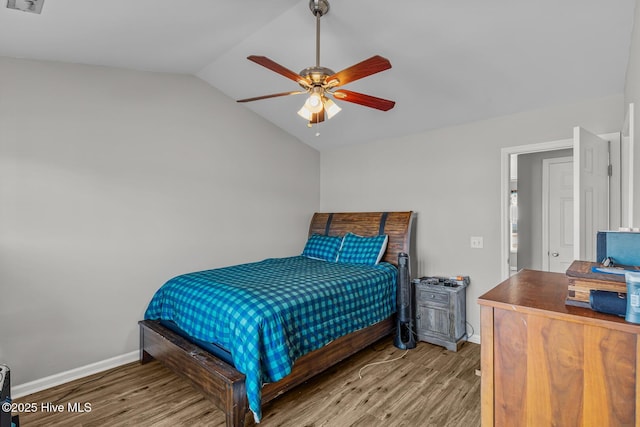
[584,276]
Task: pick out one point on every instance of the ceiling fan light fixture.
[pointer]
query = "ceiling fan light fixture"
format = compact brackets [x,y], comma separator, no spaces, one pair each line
[305,113]
[331,108]
[314,102]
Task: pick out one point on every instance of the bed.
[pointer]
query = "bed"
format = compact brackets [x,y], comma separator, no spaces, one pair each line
[216,376]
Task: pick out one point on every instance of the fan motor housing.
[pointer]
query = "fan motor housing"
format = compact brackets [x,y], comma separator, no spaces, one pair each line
[316,75]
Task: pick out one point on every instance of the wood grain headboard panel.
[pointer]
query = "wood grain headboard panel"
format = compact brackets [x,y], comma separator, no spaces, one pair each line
[397,225]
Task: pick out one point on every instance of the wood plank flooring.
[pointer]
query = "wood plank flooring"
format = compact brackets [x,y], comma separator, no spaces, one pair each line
[429,386]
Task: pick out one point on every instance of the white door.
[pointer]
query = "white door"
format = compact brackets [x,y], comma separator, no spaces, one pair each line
[590,192]
[557,216]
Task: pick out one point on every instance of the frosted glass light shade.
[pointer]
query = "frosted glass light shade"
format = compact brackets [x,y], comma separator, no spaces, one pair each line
[305,113]
[331,108]
[314,103]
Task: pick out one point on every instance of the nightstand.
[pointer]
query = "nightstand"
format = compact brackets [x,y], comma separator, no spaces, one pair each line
[441,313]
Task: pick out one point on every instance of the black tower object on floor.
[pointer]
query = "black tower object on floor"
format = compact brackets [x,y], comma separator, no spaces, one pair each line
[405,336]
[5,398]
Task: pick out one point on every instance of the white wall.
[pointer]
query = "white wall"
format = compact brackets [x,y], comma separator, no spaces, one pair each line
[112,182]
[451,178]
[632,94]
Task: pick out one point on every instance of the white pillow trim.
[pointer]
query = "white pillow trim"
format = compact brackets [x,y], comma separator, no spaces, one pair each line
[383,248]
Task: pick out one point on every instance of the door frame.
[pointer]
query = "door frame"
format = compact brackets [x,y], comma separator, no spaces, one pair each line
[505,177]
[545,206]
[628,152]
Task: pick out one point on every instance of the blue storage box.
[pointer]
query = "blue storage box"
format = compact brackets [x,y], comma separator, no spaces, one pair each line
[623,247]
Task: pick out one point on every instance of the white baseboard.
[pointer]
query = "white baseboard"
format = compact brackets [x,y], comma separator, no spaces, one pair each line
[475,338]
[73,374]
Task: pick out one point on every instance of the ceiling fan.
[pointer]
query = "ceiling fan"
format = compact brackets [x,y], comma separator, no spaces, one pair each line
[320,82]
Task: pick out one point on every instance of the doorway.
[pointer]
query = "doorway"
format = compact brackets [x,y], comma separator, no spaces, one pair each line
[512,262]
[529,217]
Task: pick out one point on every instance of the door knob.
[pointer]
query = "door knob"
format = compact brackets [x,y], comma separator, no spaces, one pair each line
[554,254]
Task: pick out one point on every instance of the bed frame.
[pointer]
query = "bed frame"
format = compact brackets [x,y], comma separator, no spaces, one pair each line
[221,383]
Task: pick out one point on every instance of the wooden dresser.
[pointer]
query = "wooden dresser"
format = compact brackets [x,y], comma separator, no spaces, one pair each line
[548,364]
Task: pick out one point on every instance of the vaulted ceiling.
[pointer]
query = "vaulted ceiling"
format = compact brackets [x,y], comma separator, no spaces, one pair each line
[453,61]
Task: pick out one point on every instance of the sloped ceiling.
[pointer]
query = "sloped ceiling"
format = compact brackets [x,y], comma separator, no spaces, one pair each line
[453,61]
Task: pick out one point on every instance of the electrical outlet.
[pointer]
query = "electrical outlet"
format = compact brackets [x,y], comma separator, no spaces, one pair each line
[477,242]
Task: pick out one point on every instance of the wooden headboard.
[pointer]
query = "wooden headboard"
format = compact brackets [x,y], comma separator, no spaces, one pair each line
[397,225]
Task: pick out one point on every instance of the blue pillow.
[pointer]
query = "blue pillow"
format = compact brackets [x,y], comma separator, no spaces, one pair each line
[362,250]
[322,247]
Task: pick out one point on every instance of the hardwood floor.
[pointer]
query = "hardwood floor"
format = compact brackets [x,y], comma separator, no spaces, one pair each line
[429,386]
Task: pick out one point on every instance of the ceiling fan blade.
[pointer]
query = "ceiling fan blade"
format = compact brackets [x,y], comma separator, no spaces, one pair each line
[257,98]
[362,99]
[370,66]
[274,66]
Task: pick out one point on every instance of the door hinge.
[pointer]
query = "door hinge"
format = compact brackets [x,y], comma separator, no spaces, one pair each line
[610,170]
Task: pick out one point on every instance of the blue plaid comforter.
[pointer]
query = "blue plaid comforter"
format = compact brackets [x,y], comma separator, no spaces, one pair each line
[269,313]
